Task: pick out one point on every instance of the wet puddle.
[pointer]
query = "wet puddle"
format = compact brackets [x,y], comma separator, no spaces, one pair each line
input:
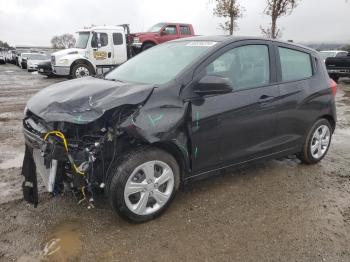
[63,244]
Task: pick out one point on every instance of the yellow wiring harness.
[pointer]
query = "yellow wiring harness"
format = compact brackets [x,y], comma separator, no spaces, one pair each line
[65,143]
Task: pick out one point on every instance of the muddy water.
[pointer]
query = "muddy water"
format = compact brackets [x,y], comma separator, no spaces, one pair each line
[62,244]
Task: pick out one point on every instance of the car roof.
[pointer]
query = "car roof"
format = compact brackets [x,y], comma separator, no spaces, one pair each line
[230,39]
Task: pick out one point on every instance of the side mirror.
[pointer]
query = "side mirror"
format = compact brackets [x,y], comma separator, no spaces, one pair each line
[212,85]
[163,32]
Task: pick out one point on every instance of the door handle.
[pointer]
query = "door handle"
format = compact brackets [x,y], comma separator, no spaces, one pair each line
[109,54]
[265,98]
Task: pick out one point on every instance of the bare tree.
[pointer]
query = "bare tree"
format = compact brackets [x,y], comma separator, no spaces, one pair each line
[63,41]
[231,10]
[276,9]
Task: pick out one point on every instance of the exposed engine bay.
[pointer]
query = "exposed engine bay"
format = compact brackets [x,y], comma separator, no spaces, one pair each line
[71,157]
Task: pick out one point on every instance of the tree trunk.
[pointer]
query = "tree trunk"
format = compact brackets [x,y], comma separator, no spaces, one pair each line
[231,25]
[273,27]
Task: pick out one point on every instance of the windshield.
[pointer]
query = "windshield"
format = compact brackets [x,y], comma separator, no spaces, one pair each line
[156,28]
[82,40]
[326,54]
[38,57]
[160,64]
[25,55]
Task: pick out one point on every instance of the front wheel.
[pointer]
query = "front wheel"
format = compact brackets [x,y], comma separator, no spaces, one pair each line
[141,186]
[317,142]
[147,46]
[81,70]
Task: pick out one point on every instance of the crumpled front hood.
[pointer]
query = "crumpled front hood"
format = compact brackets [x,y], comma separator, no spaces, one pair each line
[84,100]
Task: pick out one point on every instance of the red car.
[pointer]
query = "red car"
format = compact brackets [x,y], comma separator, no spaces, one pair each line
[160,33]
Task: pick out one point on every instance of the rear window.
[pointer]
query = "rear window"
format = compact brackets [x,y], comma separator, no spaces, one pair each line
[295,65]
[117,39]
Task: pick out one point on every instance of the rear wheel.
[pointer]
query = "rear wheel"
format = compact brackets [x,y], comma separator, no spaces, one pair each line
[317,142]
[335,78]
[141,186]
[81,70]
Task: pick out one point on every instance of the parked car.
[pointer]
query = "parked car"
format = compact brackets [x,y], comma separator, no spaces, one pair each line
[11,57]
[180,111]
[98,48]
[34,59]
[160,33]
[44,68]
[338,67]
[18,53]
[2,57]
[22,60]
[333,53]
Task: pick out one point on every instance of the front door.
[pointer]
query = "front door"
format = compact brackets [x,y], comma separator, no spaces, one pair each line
[238,126]
[101,49]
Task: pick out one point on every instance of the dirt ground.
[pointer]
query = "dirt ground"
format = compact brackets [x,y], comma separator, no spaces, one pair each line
[278,210]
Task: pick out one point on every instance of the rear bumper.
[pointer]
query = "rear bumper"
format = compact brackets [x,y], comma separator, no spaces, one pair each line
[61,70]
[340,72]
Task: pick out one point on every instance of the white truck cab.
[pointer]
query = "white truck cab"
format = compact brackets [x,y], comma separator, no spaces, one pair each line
[97,50]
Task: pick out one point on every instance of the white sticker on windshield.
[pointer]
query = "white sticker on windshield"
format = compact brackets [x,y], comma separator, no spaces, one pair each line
[201,43]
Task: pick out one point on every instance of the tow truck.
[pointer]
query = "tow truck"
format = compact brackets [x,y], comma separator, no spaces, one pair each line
[97,50]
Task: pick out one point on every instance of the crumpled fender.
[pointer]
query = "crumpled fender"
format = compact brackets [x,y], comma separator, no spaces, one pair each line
[161,121]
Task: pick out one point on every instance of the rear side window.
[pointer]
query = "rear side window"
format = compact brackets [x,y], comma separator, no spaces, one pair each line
[117,39]
[341,54]
[185,30]
[295,65]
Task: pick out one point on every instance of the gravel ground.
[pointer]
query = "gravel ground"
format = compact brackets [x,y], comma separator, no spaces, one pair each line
[278,210]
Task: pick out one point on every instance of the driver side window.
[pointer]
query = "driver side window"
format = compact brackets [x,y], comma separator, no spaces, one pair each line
[103,40]
[170,30]
[246,66]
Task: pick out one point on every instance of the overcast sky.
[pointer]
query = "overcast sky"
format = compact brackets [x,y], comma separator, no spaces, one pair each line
[34,22]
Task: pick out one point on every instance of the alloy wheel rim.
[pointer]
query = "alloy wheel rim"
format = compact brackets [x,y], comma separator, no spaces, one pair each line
[81,72]
[149,187]
[320,141]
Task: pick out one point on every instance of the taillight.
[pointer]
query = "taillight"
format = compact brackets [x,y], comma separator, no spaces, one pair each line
[333,85]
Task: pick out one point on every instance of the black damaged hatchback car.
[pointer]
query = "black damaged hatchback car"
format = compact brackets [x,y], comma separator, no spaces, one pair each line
[176,112]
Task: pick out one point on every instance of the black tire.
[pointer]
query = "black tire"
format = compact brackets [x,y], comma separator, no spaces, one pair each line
[81,65]
[305,155]
[335,78]
[147,46]
[121,171]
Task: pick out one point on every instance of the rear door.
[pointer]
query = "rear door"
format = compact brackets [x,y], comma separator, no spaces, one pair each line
[296,70]
[119,48]
[239,126]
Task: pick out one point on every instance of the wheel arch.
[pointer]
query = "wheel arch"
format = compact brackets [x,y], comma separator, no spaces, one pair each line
[330,119]
[148,42]
[83,61]
[176,152]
